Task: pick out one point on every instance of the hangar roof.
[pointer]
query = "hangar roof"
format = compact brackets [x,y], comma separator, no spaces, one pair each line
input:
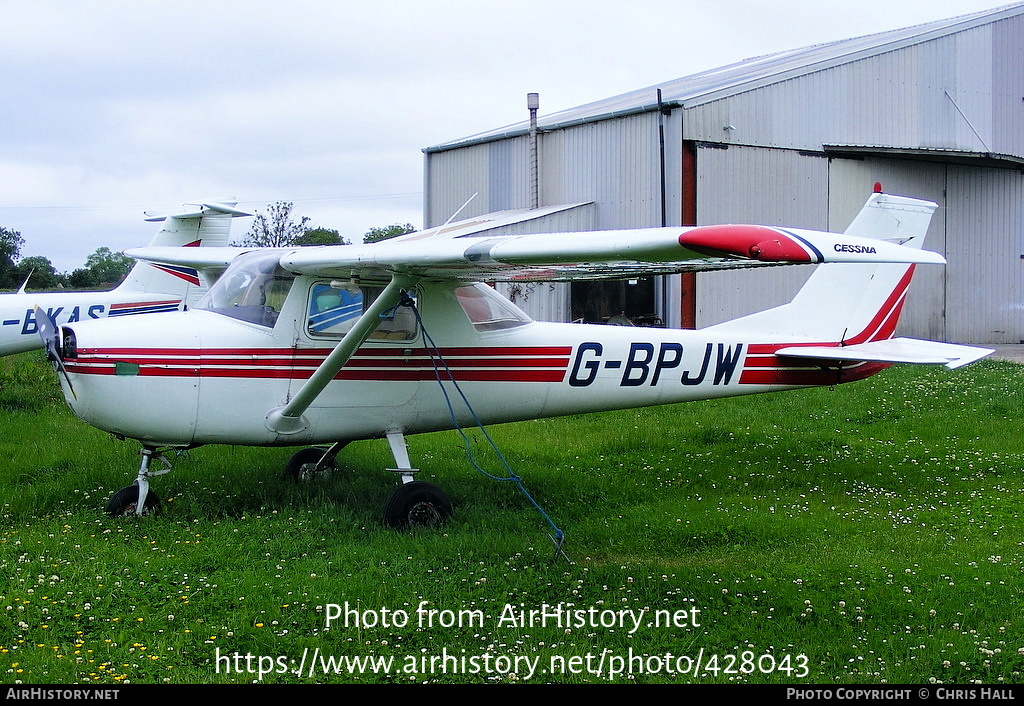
[742,76]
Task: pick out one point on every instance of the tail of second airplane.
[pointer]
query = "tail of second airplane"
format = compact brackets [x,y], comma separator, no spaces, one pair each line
[208,225]
[849,311]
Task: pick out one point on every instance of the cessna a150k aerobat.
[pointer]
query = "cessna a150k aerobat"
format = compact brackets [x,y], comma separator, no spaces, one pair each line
[332,344]
[148,288]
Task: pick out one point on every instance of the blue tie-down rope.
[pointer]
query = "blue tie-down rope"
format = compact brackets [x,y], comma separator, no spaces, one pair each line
[438,362]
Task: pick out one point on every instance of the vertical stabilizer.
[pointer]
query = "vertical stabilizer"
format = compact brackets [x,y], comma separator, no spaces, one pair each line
[845,303]
[208,225]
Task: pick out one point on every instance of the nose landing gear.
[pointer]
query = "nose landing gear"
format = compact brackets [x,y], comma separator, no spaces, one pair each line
[136,499]
[126,502]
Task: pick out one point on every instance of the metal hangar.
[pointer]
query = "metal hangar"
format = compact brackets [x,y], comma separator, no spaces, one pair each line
[796,138]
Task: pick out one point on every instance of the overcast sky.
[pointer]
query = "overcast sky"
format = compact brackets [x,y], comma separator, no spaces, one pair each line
[111,108]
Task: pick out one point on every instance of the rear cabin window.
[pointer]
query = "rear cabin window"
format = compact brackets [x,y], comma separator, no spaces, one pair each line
[488,310]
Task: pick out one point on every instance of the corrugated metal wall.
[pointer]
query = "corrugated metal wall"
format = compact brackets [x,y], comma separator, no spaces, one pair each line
[977,298]
[497,172]
[985,240]
[756,185]
[613,163]
[961,91]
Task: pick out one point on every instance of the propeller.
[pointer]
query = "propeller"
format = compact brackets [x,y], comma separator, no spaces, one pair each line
[50,334]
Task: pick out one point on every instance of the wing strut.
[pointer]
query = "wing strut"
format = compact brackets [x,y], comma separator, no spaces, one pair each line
[288,419]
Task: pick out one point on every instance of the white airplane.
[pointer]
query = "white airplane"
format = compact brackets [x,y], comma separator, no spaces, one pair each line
[149,287]
[332,344]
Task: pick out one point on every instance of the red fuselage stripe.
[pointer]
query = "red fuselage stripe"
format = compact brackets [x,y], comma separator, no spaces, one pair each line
[518,364]
[291,374]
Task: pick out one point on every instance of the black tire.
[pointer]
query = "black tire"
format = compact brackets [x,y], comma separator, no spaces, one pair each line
[123,502]
[302,465]
[417,504]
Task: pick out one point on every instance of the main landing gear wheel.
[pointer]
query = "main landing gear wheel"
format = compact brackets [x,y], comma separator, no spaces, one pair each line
[123,502]
[417,504]
[305,465]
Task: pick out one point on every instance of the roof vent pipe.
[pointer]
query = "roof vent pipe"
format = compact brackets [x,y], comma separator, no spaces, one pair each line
[533,103]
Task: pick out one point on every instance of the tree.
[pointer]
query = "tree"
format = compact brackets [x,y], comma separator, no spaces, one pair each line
[320,236]
[82,278]
[10,248]
[108,267]
[275,229]
[43,274]
[375,234]
[10,243]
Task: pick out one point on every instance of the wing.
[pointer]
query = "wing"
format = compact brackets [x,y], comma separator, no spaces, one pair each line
[212,261]
[465,251]
[599,254]
[201,258]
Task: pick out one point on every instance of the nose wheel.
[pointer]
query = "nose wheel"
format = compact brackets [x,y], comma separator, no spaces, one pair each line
[126,502]
[137,498]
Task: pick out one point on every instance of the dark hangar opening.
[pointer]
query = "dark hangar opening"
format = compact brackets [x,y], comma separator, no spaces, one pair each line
[621,302]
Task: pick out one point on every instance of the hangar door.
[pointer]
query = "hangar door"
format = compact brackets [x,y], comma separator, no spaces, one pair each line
[984,245]
[978,296]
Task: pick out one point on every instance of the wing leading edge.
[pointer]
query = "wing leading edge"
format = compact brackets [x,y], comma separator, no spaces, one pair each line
[600,254]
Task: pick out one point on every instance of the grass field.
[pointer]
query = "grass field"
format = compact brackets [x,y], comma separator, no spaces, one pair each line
[866,534]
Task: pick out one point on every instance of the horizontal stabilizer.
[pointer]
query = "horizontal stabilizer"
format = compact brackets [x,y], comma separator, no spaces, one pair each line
[205,209]
[893,350]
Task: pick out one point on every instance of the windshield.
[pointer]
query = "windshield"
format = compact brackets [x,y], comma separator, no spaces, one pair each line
[252,289]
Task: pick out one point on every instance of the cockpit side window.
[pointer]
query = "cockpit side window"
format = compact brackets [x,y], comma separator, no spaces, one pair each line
[333,310]
[398,325]
[252,289]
